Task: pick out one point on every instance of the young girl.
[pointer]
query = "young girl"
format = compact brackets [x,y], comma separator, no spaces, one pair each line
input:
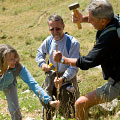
[10,67]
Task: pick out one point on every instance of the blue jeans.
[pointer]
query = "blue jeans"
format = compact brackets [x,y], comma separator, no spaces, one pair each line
[12,100]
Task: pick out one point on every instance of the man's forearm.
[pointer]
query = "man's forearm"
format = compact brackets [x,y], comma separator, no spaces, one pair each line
[70,61]
[85,19]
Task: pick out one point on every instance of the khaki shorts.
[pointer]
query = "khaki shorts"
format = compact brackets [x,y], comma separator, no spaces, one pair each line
[108,92]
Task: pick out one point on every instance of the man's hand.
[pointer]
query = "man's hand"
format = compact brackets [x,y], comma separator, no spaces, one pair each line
[57,56]
[58,82]
[55,104]
[45,67]
[80,18]
[77,19]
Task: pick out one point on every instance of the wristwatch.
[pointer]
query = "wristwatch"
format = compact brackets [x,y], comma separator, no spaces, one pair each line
[62,60]
[64,79]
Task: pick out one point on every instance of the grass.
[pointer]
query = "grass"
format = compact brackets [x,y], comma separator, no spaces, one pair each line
[23,24]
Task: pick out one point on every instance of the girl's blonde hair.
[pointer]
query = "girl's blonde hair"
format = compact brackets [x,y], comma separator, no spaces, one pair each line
[4,50]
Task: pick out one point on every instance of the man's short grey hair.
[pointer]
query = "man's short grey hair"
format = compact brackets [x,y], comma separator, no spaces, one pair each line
[55,18]
[101,9]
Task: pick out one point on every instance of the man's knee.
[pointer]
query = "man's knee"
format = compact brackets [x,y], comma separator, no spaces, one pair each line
[81,102]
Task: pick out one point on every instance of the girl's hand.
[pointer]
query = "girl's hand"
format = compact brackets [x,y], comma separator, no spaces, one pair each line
[55,104]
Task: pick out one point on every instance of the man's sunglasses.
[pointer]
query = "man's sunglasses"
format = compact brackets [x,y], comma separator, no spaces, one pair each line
[57,29]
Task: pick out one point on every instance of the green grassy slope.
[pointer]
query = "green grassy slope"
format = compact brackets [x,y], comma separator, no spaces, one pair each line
[23,24]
